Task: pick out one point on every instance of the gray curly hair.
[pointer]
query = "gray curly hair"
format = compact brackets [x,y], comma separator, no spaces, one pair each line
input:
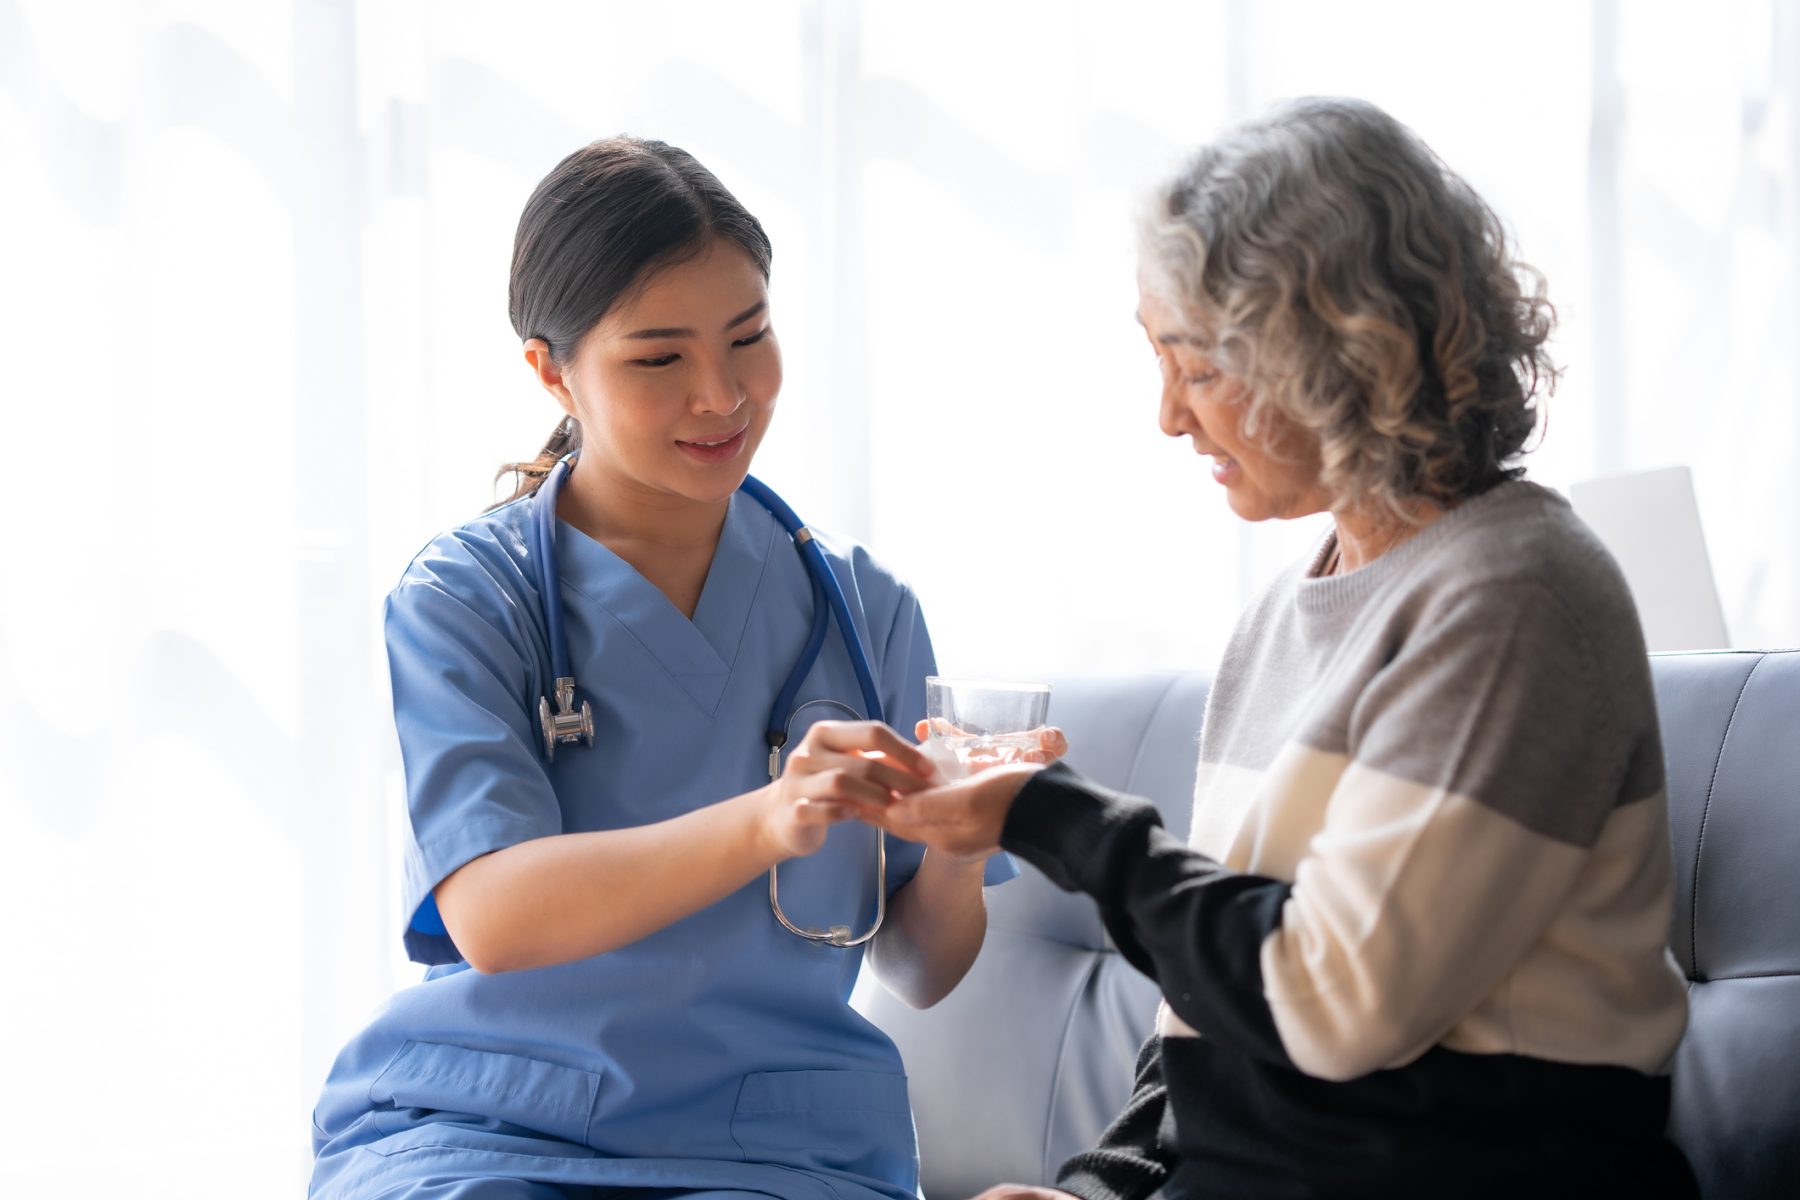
[1361,290]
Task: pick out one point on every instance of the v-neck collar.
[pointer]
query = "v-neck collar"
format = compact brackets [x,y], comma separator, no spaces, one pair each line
[697,654]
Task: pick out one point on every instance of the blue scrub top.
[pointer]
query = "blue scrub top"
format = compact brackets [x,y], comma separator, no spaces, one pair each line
[720,1052]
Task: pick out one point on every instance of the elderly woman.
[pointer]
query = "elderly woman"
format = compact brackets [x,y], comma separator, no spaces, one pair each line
[1416,944]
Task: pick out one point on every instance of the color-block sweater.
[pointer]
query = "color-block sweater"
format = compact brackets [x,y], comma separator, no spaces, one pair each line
[1417,943]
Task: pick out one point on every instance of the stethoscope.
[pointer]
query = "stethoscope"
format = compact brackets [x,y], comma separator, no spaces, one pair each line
[570,723]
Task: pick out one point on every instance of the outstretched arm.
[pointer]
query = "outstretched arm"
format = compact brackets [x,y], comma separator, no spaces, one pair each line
[493,876]
[557,899]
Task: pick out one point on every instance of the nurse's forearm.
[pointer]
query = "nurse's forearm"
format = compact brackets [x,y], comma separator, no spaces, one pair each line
[933,931]
[571,896]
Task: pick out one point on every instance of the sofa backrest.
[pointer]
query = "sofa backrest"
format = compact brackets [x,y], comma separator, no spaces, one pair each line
[1731,737]
[1031,1057]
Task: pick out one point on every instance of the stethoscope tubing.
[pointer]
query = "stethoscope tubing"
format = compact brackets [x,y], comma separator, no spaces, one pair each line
[825,578]
[549,571]
[829,602]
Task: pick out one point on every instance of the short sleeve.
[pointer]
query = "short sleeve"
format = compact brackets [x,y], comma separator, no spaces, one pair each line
[907,660]
[475,780]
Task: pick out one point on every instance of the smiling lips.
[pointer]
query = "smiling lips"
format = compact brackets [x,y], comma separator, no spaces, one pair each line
[717,450]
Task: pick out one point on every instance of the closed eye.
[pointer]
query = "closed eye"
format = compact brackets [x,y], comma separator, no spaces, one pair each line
[1202,379]
[661,360]
[753,338]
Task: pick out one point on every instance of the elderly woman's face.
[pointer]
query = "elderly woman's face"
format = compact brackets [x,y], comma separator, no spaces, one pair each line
[1275,474]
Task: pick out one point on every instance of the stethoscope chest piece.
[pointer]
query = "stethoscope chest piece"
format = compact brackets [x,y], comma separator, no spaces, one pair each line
[567,723]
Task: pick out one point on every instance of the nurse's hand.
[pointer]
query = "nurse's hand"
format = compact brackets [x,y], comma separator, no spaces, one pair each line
[1020,1191]
[840,769]
[962,819]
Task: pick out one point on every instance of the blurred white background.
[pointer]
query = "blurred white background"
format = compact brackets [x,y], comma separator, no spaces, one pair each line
[253,309]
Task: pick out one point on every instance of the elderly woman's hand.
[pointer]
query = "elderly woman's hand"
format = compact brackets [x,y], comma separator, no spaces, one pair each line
[962,819]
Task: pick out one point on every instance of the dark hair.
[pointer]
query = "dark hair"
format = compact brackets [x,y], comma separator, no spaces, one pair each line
[1367,293]
[607,218]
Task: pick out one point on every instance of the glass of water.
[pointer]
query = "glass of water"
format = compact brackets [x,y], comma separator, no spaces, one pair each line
[973,724]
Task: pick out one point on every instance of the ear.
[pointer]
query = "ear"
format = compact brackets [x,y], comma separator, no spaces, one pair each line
[537,354]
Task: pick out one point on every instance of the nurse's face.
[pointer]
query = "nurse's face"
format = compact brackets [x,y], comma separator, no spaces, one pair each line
[674,388]
[1272,475]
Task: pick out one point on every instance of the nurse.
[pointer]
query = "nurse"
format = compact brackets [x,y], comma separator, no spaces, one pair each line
[612,1007]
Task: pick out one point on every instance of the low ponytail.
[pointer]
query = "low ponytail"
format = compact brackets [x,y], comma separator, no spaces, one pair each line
[528,477]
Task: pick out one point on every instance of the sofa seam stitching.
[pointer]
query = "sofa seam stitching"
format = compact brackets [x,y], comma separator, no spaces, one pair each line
[1137,753]
[1062,1046]
[1706,812]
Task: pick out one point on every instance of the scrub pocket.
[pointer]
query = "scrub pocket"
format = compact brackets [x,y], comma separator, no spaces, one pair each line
[435,1081]
[851,1122]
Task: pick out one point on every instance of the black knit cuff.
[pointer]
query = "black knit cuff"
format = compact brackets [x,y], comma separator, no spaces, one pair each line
[1071,828]
[1110,1175]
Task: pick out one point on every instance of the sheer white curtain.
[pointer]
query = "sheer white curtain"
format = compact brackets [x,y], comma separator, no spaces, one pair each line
[191,748]
[255,352]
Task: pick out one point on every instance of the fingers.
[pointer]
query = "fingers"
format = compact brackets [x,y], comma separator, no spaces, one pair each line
[876,768]
[823,786]
[808,811]
[845,786]
[947,805]
[939,727]
[851,737]
[1052,745]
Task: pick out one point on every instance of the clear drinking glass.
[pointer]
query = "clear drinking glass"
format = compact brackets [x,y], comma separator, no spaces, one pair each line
[978,723]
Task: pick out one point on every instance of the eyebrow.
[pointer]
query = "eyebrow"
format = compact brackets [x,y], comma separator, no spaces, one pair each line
[644,335]
[1167,339]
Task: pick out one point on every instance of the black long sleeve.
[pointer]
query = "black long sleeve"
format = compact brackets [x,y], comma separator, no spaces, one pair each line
[1228,1114]
[1192,925]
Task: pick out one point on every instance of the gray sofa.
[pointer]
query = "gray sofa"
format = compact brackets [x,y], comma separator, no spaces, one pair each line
[1030,1058]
